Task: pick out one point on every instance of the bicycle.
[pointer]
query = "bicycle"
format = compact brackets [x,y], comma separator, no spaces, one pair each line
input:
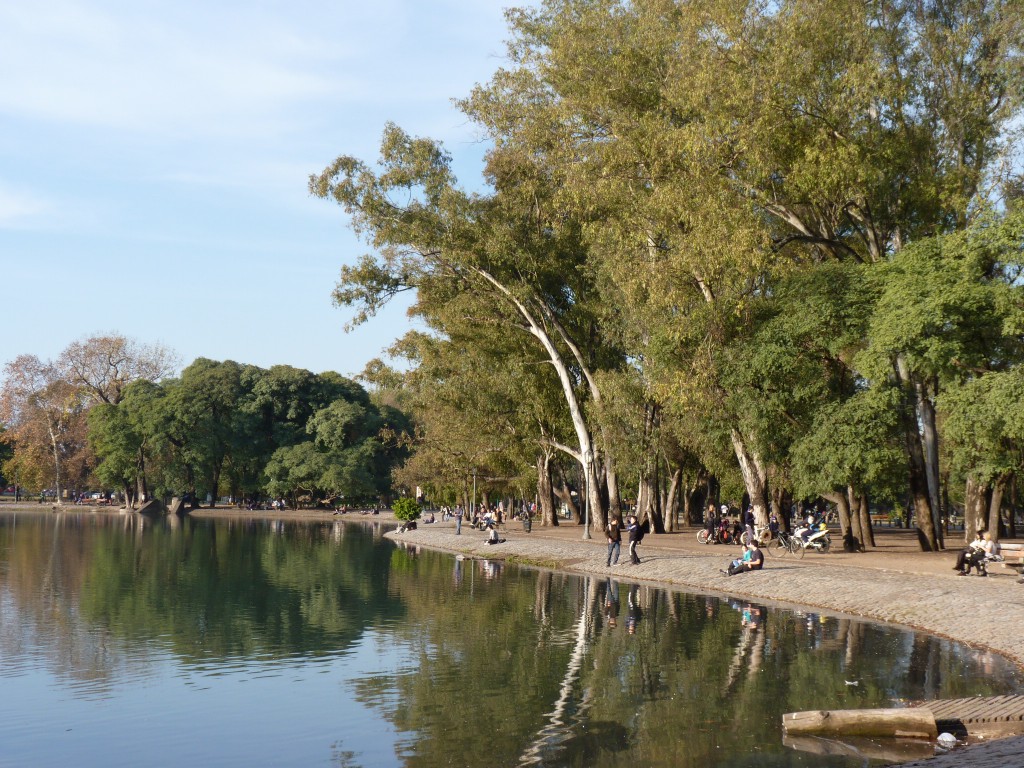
[721,534]
[781,545]
[762,534]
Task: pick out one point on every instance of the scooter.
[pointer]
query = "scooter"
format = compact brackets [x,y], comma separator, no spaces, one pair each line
[817,539]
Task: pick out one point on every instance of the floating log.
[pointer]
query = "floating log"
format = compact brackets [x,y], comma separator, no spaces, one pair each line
[906,723]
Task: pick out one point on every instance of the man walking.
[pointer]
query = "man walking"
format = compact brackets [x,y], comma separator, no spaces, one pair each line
[614,531]
[636,535]
[458,520]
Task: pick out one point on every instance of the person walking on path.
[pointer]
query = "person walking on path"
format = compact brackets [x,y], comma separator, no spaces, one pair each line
[711,520]
[636,535]
[458,521]
[614,532]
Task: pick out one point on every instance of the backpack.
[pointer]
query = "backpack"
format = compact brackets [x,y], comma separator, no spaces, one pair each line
[639,533]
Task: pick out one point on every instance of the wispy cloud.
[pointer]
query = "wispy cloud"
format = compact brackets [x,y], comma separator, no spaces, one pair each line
[20,209]
[186,70]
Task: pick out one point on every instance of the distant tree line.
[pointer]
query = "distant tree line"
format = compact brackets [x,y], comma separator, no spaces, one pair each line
[219,429]
[763,251]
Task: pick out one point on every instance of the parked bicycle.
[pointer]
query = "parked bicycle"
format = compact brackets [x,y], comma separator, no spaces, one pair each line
[724,533]
[762,534]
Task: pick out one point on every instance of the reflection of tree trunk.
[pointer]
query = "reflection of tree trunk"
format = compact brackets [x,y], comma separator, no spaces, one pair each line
[545,496]
[924,667]
[556,730]
[542,599]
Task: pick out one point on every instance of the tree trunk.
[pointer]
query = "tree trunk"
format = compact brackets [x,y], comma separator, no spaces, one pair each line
[855,523]
[536,327]
[56,461]
[672,499]
[975,507]
[930,449]
[918,470]
[1012,532]
[612,484]
[545,494]
[565,496]
[996,505]
[755,479]
[864,510]
[647,503]
[842,502]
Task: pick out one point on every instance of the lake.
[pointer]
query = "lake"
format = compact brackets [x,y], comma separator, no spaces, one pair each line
[251,642]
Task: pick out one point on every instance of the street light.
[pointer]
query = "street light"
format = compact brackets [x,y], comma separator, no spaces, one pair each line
[472,503]
[588,459]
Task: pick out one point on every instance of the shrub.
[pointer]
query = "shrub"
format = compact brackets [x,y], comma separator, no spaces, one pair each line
[406,509]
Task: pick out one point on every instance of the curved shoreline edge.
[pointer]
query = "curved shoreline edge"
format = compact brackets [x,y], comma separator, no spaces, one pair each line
[981,613]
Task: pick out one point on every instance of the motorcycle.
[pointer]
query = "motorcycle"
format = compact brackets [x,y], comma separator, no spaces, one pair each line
[811,536]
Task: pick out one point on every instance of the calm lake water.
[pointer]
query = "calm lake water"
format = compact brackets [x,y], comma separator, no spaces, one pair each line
[126,641]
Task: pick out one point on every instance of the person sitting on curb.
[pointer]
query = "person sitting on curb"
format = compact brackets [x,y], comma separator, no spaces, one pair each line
[753,560]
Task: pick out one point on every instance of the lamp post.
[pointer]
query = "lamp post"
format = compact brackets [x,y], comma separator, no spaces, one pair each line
[472,503]
[588,459]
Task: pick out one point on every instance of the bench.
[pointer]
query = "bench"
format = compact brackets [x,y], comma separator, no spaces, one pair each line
[879,519]
[1013,556]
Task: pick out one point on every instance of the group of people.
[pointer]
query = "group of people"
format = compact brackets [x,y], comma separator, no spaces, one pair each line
[614,530]
[982,550]
[751,560]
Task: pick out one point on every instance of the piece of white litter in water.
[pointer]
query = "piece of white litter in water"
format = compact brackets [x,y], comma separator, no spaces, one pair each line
[853,682]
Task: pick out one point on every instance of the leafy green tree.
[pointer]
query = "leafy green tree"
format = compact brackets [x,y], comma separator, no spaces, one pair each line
[505,259]
[124,439]
[406,508]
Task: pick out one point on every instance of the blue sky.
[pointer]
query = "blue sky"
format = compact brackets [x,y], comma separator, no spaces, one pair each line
[154,158]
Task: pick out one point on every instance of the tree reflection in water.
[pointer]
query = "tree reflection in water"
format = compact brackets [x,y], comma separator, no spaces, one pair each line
[474,662]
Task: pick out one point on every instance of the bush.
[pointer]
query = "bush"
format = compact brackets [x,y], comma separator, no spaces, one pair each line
[406,509]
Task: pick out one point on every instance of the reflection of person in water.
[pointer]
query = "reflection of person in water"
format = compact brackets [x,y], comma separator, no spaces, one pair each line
[751,617]
[633,609]
[611,603]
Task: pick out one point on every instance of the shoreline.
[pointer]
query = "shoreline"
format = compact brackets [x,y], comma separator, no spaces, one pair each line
[916,590]
[894,583]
